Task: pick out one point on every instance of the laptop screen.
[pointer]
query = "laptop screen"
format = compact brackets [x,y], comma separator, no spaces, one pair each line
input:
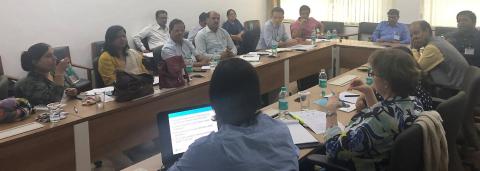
[188,125]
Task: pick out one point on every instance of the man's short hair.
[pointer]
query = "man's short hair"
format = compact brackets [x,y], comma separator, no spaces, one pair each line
[160,12]
[304,8]
[393,12]
[203,17]
[468,14]
[278,9]
[175,22]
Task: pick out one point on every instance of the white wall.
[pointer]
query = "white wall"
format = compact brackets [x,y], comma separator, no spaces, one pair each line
[77,23]
[410,10]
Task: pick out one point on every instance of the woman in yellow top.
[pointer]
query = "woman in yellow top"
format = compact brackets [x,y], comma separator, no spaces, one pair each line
[117,55]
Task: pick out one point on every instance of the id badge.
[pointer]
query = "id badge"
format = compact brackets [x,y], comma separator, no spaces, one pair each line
[396,37]
[469,51]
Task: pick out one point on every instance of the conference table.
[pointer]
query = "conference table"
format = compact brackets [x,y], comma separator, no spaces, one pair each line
[93,132]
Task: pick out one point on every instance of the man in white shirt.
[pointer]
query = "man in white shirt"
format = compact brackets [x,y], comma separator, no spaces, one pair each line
[202,21]
[157,34]
[213,41]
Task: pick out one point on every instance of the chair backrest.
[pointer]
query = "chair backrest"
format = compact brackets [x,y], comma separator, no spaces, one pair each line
[97,49]
[330,25]
[1,66]
[365,30]
[471,86]
[4,87]
[407,151]
[185,35]
[251,36]
[453,113]
[443,31]
[61,52]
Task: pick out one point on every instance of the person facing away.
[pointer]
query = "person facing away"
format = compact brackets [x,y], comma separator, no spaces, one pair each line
[213,41]
[157,34]
[467,39]
[234,27]
[392,31]
[202,21]
[178,46]
[246,139]
[444,65]
[305,25]
[274,30]
[45,81]
[117,55]
[366,142]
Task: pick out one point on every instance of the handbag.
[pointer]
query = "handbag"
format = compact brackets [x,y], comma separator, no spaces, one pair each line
[130,86]
[171,72]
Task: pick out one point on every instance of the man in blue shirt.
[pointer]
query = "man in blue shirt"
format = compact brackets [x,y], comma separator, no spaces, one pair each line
[391,31]
[246,139]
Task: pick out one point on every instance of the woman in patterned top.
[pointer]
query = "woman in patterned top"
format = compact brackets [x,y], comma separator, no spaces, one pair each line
[366,142]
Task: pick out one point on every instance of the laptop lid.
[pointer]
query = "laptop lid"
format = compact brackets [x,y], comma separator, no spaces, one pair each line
[180,128]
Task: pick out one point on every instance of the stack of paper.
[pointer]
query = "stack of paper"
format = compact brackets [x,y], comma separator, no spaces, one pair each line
[259,53]
[302,47]
[350,101]
[342,81]
[280,50]
[300,136]
[250,58]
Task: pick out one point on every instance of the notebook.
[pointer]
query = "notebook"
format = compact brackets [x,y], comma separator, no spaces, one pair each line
[314,119]
[302,47]
[300,136]
[250,58]
[20,129]
[342,81]
[280,50]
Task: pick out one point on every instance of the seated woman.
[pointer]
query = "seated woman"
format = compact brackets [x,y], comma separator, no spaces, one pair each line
[234,27]
[41,87]
[246,138]
[117,55]
[368,138]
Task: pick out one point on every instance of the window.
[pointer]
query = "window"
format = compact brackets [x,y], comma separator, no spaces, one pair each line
[348,11]
[444,12]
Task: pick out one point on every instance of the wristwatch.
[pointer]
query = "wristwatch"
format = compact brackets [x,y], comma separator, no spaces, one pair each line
[330,113]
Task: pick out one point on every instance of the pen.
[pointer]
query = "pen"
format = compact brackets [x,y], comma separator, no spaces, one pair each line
[352,95]
[75,109]
[300,120]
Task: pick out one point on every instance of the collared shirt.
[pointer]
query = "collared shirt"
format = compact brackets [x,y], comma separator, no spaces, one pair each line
[193,33]
[38,90]
[272,32]
[385,31]
[444,64]
[468,45]
[211,43]
[263,146]
[185,49]
[306,28]
[368,138]
[155,34]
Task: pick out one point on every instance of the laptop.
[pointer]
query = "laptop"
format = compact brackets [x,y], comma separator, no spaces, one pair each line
[181,127]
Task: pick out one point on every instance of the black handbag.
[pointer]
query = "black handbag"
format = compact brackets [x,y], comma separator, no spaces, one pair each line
[130,86]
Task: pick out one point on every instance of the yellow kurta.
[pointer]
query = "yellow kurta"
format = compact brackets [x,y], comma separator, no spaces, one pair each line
[107,64]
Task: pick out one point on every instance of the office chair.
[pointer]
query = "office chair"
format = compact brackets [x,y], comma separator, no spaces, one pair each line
[251,36]
[365,30]
[444,31]
[97,49]
[79,83]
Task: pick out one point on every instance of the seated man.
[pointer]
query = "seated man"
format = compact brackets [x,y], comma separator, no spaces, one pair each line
[467,38]
[305,25]
[177,46]
[391,31]
[274,30]
[202,21]
[157,34]
[213,41]
[246,139]
[445,66]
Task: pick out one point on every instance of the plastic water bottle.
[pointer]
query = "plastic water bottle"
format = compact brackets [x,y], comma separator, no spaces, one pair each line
[282,102]
[329,34]
[334,34]
[322,82]
[189,65]
[71,75]
[274,48]
[314,37]
[369,79]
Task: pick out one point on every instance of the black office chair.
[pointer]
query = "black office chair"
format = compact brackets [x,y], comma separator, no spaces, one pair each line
[79,83]
[251,36]
[471,86]
[331,25]
[365,30]
[444,31]
[97,50]
[406,154]
[151,64]
[453,113]
[145,44]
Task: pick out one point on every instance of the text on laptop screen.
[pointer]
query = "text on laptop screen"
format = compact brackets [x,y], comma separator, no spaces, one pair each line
[187,126]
